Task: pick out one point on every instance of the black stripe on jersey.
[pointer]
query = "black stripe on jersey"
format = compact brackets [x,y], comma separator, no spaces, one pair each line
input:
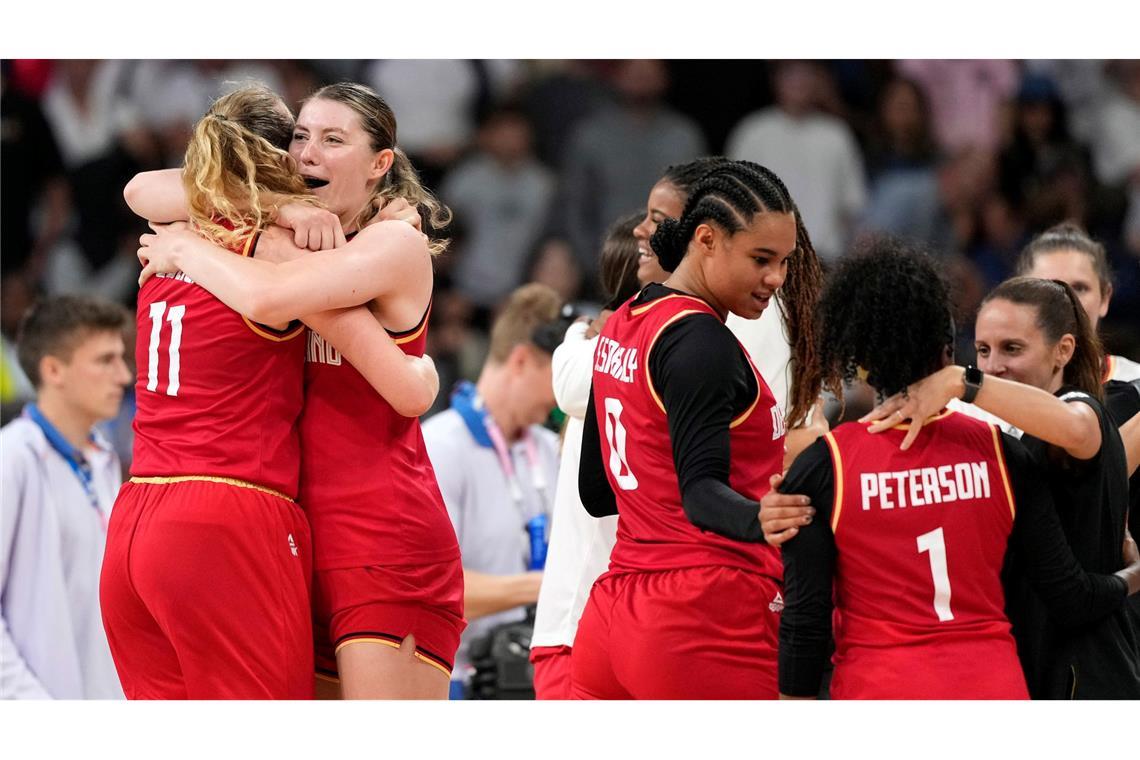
[419,325]
[395,640]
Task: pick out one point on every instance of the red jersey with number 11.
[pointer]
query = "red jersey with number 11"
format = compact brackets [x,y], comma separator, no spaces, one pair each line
[217,395]
[653,531]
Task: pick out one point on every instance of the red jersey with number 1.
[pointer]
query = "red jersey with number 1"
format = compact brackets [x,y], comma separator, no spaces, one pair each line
[920,538]
[653,531]
[217,394]
[367,484]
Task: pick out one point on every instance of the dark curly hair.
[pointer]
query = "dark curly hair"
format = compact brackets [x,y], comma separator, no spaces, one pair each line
[730,193]
[886,310]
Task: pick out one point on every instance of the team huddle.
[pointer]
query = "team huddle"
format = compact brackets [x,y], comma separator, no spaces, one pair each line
[283,534]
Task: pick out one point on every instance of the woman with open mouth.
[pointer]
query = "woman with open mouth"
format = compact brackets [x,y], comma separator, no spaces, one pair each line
[388,583]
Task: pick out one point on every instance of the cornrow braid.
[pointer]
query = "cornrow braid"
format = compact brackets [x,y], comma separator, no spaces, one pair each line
[731,193]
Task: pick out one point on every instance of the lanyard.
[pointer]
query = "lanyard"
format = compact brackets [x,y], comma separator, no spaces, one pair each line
[74,458]
[466,401]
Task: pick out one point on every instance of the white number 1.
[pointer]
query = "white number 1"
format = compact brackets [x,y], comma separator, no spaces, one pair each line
[174,317]
[935,545]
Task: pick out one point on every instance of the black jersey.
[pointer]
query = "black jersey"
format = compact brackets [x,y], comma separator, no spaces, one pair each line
[1099,661]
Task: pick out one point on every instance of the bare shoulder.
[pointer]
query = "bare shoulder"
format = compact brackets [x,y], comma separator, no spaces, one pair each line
[399,238]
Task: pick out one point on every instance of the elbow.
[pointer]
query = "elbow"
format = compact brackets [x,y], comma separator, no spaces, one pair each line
[265,308]
[417,402]
[132,193]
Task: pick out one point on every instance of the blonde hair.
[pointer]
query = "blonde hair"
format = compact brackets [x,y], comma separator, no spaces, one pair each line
[527,309]
[238,172]
[402,180]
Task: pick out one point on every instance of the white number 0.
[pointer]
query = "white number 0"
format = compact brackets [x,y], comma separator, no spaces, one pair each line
[615,434]
[174,317]
[935,545]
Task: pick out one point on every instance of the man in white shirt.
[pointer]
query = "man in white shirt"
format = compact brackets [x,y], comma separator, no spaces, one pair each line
[815,153]
[60,479]
[496,466]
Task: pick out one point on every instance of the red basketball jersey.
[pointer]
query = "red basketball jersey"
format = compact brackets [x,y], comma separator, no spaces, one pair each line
[366,481]
[217,394]
[653,531]
[920,537]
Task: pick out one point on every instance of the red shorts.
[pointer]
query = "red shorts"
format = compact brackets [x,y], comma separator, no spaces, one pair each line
[205,593]
[976,669]
[385,603]
[551,672]
[697,633]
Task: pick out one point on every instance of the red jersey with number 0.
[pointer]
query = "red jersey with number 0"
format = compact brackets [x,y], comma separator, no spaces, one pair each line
[217,394]
[366,482]
[920,537]
[653,531]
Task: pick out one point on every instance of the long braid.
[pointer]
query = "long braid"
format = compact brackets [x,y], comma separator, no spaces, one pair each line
[731,193]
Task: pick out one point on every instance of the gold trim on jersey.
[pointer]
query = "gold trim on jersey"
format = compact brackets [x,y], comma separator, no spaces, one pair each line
[277,336]
[1004,472]
[395,645]
[934,418]
[162,481]
[653,342]
[837,461]
[638,311]
[400,338]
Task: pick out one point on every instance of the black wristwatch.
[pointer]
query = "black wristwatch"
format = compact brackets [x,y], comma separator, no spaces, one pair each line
[973,380]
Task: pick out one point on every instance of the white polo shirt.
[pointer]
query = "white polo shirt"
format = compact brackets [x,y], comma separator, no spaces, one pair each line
[490,526]
[52,645]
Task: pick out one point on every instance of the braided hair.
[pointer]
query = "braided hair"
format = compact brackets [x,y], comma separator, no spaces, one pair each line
[886,311]
[730,193]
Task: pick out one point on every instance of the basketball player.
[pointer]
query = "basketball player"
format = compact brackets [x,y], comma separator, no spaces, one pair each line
[691,433]
[913,540]
[205,584]
[388,581]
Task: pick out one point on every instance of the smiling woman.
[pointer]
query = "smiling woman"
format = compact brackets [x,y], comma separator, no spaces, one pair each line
[691,435]
[345,140]
[368,489]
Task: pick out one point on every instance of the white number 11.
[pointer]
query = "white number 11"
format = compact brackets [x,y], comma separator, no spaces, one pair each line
[934,544]
[174,317]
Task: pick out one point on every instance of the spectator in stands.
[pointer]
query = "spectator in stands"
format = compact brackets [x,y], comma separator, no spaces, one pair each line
[32,181]
[496,465]
[618,152]
[501,195]
[60,479]
[815,154]
[440,102]
[902,162]
[966,98]
[102,145]
[1042,171]
[1116,147]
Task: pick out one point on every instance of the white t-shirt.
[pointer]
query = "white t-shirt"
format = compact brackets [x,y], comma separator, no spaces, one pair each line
[817,158]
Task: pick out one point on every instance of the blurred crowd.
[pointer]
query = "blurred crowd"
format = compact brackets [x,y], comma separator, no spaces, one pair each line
[537,158]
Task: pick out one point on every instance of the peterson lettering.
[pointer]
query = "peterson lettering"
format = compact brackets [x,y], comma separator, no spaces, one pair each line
[923,486]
